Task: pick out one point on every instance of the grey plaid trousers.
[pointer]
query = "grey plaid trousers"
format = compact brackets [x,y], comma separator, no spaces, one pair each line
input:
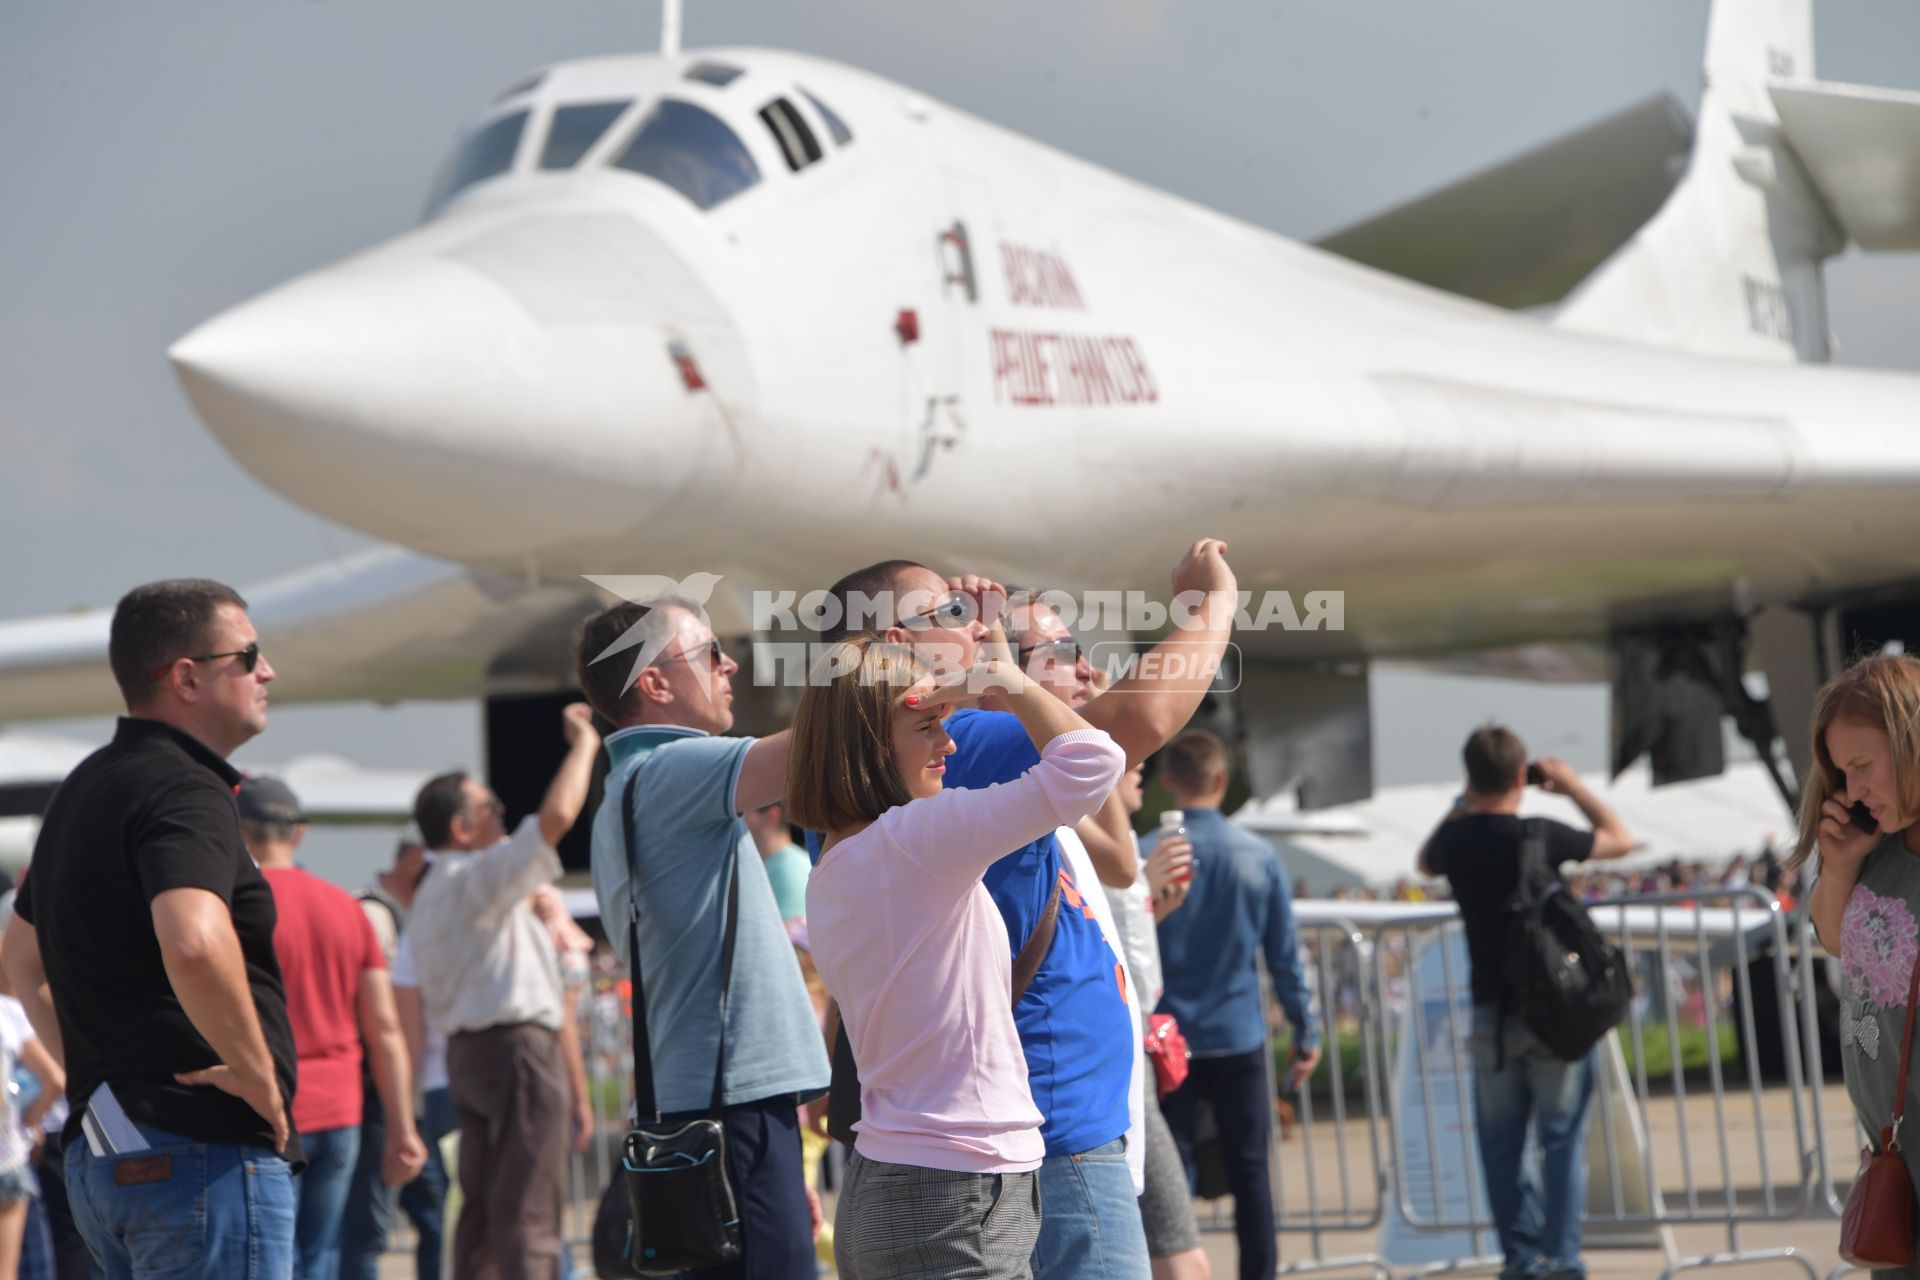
[897,1221]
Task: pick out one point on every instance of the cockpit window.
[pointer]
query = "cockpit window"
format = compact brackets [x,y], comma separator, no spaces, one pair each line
[717,74]
[575,130]
[791,134]
[835,125]
[692,151]
[486,153]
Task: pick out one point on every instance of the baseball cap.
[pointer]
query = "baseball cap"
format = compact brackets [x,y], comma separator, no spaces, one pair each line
[269,800]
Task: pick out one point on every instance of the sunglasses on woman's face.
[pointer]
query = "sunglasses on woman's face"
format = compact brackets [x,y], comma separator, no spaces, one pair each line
[249,659]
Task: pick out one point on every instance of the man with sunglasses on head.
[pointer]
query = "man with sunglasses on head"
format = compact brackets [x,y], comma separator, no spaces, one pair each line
[1073,1019]
[142,948]
[657,673]
[489,978]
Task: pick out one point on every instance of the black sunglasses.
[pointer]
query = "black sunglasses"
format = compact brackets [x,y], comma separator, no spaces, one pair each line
[715,654]
[1062,650]
[249,659]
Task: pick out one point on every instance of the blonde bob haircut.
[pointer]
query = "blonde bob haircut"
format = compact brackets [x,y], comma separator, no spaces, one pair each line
[840,770]
[1881,693]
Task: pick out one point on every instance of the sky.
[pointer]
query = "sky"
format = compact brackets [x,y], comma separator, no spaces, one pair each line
[167,161]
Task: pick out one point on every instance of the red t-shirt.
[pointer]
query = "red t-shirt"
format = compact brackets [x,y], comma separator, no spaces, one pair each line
[325,943]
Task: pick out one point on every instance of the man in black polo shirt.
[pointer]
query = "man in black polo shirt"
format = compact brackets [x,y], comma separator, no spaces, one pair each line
[1517,1080]
[143,950]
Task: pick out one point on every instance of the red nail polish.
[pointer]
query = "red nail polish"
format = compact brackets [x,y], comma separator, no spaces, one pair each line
[913,699]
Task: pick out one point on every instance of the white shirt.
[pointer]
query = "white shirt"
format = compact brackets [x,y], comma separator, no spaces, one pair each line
[433,1041]
[1139,943]
[482,957]
[15,1031]
[1080,863]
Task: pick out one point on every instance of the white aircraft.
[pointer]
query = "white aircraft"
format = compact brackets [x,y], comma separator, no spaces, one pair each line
[332,790]
[764,316]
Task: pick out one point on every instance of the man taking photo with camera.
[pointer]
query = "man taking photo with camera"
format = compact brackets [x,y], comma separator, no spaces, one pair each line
[1516,1078]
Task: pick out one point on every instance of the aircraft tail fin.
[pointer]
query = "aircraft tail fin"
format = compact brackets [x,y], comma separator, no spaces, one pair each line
[1731,264]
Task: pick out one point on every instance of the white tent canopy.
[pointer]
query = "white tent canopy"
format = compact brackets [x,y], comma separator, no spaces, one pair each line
[1373,843]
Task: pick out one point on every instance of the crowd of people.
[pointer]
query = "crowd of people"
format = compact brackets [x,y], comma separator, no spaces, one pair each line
[1765,870]
[262,1066]
[245,1071]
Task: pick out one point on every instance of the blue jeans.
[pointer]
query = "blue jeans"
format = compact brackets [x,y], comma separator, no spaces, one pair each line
[1089,1218]
[1235,1087]
[370,1201]
[184,1208]
[322,1188]
[1538,1218]
[36,1244]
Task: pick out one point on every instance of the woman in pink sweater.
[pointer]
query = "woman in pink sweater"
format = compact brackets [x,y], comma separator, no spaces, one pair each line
[909,943]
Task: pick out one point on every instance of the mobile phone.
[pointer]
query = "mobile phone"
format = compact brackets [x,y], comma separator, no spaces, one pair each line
[1536,776]
[1862,817]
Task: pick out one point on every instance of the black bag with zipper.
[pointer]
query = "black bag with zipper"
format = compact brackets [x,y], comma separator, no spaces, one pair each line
[678,1196]
[1567,982]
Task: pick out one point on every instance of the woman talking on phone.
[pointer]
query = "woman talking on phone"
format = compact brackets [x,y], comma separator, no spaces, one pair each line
[942,1178]
[1860,806]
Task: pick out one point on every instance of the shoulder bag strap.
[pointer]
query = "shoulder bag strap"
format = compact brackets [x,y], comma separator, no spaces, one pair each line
[726,980]
[1533,852]
[643,1096]
[1529,864]
[1027,963]
[1892,1137]
[643,1100]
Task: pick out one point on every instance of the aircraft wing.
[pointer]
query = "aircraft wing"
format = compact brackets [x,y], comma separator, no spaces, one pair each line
[332,790]
[385,624]
[1862,148]
[1525,232]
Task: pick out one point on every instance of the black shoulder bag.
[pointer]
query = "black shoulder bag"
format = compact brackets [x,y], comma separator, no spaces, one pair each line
[683,1214]
[1565,980]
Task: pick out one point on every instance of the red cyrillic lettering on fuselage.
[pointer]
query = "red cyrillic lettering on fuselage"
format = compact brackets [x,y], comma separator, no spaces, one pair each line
[1036,278]
[1069,369]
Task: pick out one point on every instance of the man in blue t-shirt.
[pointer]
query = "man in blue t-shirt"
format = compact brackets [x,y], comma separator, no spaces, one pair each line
[689,789]
[1072,1019]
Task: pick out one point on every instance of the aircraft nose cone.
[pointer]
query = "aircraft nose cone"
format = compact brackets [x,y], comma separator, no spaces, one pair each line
[511,369]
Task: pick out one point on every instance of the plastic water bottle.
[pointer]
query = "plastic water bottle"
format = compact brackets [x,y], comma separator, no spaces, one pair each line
[1173,823]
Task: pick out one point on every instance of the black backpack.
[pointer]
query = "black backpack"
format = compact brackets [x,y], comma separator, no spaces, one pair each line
[1566,982]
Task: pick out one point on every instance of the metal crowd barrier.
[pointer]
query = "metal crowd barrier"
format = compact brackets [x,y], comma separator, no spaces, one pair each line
[1681,975]
[1338,955]
[603,1015]
[1726,1152]
[1836,1137]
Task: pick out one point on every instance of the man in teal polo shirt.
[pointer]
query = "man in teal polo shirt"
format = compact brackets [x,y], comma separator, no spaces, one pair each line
[692,788]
